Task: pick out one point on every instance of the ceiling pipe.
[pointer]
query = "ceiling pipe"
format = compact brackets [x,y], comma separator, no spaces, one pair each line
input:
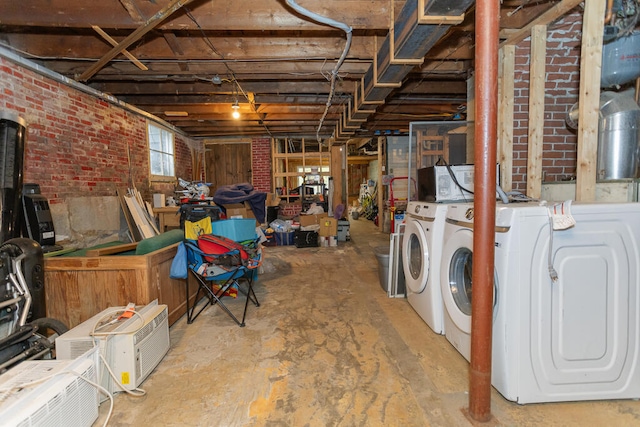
[334,73]
[482,275]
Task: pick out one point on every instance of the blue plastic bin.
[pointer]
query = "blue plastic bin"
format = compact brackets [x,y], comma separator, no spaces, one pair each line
[238,229]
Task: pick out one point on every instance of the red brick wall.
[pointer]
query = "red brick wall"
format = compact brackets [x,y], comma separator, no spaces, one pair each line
[261,164]
[562,90]
[79,144]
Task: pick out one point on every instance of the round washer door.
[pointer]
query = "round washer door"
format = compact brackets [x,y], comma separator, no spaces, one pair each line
[456,279]
[455,274]
[415,260]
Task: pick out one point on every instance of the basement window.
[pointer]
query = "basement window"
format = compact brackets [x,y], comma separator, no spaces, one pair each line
[161,152]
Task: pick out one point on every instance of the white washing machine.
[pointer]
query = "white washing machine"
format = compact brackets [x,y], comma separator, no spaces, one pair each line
[577,337]
[422,247]
[455,276]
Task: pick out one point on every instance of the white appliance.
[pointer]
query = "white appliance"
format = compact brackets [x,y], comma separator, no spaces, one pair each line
[576,338]
[132,347]
[455,276]
[64,399]
[422,247]
[451,183]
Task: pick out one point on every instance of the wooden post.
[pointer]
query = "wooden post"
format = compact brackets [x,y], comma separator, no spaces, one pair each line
[506,72]
[338,173]
[382,170]
[589,104]
[536,109]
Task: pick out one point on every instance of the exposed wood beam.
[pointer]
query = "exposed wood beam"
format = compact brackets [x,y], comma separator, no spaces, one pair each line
[240,48]
[506,80]
[174,44]
[536,110]
[135,36]
[546,18]
[133,11]
[217,15]
[125,52]
[589,101]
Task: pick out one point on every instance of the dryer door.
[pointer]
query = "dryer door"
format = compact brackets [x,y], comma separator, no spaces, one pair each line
[416,259]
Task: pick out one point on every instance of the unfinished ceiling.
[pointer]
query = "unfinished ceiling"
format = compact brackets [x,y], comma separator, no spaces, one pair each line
[189,61]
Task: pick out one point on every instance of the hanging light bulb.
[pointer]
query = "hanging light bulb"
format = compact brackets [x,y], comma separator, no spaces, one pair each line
[236,110]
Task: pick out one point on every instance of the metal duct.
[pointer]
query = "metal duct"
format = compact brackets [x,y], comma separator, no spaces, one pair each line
[618,136]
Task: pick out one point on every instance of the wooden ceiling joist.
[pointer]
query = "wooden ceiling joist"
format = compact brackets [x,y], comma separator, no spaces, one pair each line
[114,43]
[133,37]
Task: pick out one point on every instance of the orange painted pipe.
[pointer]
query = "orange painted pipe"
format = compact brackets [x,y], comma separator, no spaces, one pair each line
[486,113]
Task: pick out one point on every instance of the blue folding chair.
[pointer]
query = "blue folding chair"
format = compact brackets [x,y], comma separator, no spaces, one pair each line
[221,275]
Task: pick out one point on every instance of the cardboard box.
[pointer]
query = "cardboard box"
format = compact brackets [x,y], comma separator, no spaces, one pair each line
[239,210]
[328,227]
[236,210]
[307,220]
[272,199]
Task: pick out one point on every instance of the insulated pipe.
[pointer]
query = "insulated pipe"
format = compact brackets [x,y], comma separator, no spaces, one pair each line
[334,73]
[486,90]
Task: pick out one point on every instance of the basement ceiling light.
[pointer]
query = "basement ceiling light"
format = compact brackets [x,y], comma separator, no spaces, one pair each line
[176,113]
[236,111]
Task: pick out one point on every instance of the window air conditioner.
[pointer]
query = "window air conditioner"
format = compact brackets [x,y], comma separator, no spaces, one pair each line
[132,348]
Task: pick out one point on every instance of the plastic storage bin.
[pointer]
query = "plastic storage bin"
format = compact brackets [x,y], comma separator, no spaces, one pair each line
[382,253]
[343,231]
[305,239]
[238,229]
[285,238]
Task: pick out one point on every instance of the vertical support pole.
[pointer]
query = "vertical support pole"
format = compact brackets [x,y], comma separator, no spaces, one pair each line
[536,109]
[505,114]
[590,70]
[382,170]
[486,113]
[338,172]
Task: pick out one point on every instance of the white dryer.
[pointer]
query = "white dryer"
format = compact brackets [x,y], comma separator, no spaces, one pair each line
[422,247]
[576,337]
[455,276]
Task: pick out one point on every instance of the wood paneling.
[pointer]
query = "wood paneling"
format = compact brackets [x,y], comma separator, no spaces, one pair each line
[227,164]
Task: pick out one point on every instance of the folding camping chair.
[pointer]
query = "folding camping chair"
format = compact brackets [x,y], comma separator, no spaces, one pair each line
[219,275]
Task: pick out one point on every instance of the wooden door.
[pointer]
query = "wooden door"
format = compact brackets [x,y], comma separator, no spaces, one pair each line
[227,164]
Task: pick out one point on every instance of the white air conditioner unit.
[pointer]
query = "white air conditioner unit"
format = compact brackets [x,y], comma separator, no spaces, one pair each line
[64,399]
[132,348]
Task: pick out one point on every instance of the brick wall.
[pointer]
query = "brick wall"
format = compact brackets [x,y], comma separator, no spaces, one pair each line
[261,164]
[79,144]
[562,90]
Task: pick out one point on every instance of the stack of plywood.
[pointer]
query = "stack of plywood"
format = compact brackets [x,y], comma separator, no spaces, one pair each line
[138,213]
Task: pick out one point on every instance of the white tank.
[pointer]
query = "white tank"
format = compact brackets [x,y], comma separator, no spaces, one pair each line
[620,61]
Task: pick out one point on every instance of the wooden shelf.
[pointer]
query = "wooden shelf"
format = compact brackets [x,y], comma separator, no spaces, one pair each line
[291,160]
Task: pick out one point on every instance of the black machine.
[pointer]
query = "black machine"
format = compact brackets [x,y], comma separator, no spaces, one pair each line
[25,332]
[13,133]
[37,224]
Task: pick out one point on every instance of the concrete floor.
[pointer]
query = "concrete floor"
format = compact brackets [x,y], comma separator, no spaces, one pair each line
[327,348]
